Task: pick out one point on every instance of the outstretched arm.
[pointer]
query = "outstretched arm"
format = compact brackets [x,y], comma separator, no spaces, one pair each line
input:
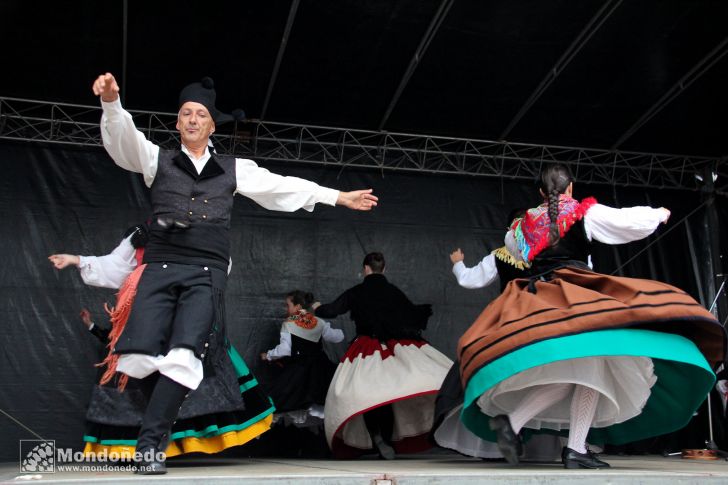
[479,276]
[619,226]
[108,271]
[360,200]
[337,307]
[126,145]
[283,349]
[100,333]
[289,194]
[62,261]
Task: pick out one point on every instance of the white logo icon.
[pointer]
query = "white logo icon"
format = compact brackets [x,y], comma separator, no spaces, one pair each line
[37,456]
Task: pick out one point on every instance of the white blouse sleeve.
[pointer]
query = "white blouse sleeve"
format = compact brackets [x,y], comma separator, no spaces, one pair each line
[618,226]
[478,276]
[126,145]
[276,192]
[111,270]
[283,349]
[329,334]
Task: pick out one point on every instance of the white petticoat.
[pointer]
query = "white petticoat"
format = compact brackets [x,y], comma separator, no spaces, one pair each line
[623,382]
[452,434]
[409,380]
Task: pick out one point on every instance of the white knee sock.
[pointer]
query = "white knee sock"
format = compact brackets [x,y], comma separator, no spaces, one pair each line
[583,408]
[538,399]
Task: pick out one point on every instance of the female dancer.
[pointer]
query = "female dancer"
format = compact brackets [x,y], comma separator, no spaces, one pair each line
[448,431]
[617,359]
[228,409]
[299,392]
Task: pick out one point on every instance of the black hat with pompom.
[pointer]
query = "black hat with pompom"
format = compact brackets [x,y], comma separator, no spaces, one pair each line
[203,92]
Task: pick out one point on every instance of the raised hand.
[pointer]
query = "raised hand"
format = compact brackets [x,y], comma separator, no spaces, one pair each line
[106,87]
[361,200]
[457,256]
[85,317]
[61,261]
[668,215]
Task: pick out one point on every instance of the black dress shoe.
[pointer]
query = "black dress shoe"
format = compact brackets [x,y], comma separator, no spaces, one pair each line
[150,464]
[573,459]
[509,443]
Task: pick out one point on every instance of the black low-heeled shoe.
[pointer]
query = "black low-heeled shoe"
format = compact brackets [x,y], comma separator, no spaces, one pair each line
[509,443]
[573,459]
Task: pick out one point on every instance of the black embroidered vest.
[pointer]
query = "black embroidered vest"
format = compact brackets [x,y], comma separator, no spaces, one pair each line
[202,201]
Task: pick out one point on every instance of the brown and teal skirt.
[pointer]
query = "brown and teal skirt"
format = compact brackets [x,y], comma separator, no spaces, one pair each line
[578,314]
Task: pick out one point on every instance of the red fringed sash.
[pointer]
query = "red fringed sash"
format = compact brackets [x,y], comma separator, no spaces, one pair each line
[119,316]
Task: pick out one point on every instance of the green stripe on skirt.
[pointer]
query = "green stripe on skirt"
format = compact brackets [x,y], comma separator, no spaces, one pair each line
[684,379]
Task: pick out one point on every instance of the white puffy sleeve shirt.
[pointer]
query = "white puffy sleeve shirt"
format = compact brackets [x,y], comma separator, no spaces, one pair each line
[618,226]
[329,334]
[283,349]
[611,226]
[479,276]
[111,270]
[130,150]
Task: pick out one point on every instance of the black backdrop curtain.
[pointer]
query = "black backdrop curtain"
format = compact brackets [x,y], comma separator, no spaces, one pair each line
[75,200]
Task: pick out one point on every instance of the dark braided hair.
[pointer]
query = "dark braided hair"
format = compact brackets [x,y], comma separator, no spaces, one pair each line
[302,298]
[555,179]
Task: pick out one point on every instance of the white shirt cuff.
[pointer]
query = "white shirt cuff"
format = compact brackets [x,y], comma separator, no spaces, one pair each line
[327,196]
[112,107]
[83,262]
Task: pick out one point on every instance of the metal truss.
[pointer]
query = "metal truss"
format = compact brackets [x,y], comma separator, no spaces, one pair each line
[59,123]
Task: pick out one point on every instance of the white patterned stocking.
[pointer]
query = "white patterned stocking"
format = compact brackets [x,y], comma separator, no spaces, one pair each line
[538,399]
[583,407]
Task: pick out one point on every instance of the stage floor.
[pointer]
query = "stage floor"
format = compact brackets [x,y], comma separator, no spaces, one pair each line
[406,471]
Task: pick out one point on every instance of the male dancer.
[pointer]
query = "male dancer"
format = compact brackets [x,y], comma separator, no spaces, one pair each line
[181,288]
[382,395]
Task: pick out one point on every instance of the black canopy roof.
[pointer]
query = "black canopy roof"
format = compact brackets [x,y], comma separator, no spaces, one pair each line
[446,67]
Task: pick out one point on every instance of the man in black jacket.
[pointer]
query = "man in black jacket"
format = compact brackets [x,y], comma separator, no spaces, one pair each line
[389,375]
[379,309]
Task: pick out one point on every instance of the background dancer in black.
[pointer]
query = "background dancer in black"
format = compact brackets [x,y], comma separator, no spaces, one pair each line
[383,393]
[300,389]
[227,409]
